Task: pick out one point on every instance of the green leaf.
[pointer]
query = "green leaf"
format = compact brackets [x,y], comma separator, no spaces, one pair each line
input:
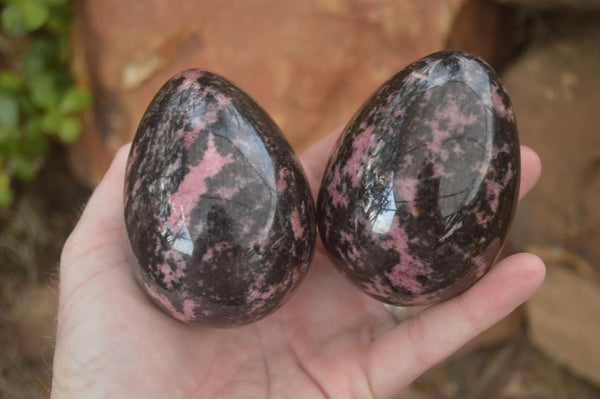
[35,14]
[35,146]
[75,100]
[26,106]
[25,169]
[44,92]
[44,56]
[70,130]
[9,141]
[54,3]
[58,24]
[38,102]
[9,134]
[63,48]
[34,61]
[23,16]
[33,126]
[10,81]
[51,121]
[9,111]
[5,192]
[13,19]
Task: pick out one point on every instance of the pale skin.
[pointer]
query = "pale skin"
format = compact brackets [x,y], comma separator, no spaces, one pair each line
[329,341]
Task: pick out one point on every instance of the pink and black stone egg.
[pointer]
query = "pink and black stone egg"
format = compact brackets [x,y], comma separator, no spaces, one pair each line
[417,198]
[217,207]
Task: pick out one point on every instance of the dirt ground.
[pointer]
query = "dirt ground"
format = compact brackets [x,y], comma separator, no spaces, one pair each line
[31,238]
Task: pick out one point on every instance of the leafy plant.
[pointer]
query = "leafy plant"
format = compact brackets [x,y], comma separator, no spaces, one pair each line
[39,100]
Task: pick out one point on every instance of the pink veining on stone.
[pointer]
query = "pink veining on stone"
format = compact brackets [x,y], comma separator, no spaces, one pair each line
[167,305]
[498,104]
[210,253]
[485,259]
[483,218]
[228,192]
[194,183]
[190,77]
[135,189]
[326,227]
[338,196]
[201,205]
[493,189]
[407,188]
[352,257]
[439,171]
[405,276]
[281,183]
[296,225]
[445,144]
[376,287]
[189,309]
[170,275]
[457,149]
[415,77]
[435,146]
[397,239]
[360,155]
[189,137]
[255,295]
[222,100]
[457,120]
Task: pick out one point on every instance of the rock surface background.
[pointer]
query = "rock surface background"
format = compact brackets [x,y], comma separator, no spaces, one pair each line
[310,64]
[555,88]
[556,4]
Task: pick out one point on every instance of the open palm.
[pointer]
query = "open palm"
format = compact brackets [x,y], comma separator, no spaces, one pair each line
[328,341]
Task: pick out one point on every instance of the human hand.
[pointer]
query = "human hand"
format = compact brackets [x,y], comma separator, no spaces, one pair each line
[329,341]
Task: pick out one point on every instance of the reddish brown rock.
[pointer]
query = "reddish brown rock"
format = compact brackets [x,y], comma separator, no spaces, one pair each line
[33,316]
[489,30]
[564,320]
[309,64]
[516,370]
[554,4]
[555,89]
[504,331]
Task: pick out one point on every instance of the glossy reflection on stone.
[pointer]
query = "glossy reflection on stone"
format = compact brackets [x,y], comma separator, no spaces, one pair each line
[218,210]
[418,196]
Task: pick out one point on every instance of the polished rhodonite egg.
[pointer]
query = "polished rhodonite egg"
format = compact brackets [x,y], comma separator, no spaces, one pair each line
[417,198]
[217,208]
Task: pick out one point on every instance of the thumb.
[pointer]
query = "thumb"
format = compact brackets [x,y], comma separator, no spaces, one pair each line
[99,239]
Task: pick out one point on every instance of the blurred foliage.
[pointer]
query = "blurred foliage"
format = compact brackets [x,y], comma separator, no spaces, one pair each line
[39,100]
